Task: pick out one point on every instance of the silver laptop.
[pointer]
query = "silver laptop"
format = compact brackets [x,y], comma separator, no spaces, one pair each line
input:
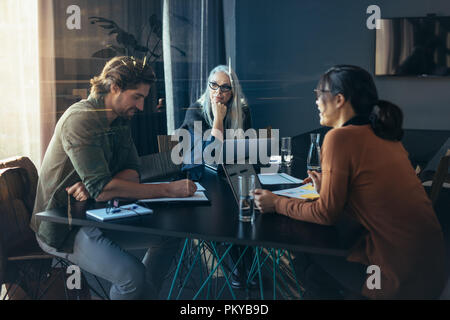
[238,151]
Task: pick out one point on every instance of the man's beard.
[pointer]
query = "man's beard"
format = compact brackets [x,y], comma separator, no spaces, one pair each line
[128,115]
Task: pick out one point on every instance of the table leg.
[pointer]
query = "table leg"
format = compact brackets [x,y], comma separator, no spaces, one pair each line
[212,272]
[261,290]
[232,270]
[178,268]
[191,268]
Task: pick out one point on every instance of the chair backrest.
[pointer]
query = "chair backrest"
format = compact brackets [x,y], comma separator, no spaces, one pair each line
[165,143]
[158,165]
[32,175]
[18,184]
[440,176]
[15,209]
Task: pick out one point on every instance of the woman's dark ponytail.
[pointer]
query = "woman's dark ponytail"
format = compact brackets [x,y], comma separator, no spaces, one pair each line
[386,120]
[358,87]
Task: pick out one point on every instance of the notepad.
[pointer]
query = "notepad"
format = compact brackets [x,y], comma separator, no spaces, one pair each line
[199,186]
[304,192]
[199,196]
[278,178]
[126,211]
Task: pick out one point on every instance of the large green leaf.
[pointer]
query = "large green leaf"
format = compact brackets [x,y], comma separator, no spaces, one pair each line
[120,50]
[105,53]
[141,48]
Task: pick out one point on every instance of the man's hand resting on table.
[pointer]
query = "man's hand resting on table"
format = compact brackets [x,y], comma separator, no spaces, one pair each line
[129,189]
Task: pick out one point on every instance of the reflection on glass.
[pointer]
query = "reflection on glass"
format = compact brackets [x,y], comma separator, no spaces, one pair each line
[413,46]
[286,151]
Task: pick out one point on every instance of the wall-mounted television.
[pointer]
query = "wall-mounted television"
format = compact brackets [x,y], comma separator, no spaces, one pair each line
[413,47]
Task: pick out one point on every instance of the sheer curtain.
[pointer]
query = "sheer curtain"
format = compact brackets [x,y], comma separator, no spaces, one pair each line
[19,81]
[47,73]
[197,29]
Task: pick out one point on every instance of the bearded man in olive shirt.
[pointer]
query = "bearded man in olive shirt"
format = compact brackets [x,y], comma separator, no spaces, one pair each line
[92,156]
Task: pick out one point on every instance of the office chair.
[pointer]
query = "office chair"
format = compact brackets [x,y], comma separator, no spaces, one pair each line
[440,177]
[25,269]
[165,143]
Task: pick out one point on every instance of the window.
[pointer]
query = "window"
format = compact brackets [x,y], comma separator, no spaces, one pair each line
[19,80]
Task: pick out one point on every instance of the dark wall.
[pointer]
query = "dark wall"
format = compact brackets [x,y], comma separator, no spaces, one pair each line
[282,48]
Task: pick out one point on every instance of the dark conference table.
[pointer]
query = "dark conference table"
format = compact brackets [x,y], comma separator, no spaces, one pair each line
[218,221]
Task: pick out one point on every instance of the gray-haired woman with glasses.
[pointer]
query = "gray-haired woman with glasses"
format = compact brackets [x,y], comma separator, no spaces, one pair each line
[222,106]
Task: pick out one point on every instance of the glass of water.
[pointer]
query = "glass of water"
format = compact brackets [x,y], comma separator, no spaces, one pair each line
[246,198]
[286,151]
[313,162]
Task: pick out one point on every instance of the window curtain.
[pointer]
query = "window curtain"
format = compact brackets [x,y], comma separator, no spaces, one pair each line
[19,83]
[147,125]
[47,88]
[194,43]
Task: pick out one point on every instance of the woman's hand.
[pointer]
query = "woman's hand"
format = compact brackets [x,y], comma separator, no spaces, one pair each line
[219,111]
[265,200]
[78,191]
[316,179]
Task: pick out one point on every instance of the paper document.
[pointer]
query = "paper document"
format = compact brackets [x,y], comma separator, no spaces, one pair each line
[277,178]
[198,196]
[199,186]
[304,192]
[130,210]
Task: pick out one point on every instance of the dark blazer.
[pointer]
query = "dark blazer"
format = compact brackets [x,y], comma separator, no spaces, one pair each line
[194,113]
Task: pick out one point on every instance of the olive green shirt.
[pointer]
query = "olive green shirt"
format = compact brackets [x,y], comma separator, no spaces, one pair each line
[86,148]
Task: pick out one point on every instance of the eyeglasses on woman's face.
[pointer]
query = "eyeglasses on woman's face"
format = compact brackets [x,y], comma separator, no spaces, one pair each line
[320,92]
[223,88]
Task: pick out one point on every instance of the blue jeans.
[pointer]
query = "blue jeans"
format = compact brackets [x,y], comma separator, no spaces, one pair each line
[103,254]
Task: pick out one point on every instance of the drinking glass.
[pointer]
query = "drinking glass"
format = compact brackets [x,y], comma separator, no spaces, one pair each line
[246,198]
[313,162]
[286,151]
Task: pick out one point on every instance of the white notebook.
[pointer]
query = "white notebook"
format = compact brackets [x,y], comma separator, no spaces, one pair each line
[199,186]
[130,210]
[198,196]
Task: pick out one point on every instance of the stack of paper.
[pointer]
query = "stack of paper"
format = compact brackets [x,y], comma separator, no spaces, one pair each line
[304,192]
[199,186]
[199,195]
